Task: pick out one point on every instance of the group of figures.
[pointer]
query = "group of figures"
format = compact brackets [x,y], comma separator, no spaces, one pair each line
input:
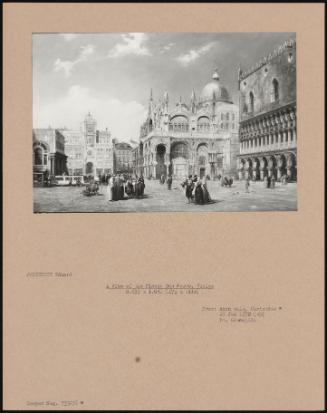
[196,190]
[118,186]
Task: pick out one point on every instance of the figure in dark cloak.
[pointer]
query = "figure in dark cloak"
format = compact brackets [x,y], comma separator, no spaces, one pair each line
[139,188]
[121,187]
[198,196]
[129,188]
[169,182]
[206,195]
[116,189]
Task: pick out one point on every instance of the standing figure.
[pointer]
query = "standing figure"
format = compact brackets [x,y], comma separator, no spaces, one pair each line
[272,183]
[129,188]
[169,181]
[121,186]
[198,194]
[110,187]
[139,188]
[265,182]
[247,184]
[189,185]
[115,192]
[133,184]
[141,180]
[206,195]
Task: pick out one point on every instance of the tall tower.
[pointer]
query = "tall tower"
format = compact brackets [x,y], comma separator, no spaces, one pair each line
[90,130]
[89,127]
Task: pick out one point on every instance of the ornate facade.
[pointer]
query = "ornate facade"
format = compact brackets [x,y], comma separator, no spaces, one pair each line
[268,139]
[196,138]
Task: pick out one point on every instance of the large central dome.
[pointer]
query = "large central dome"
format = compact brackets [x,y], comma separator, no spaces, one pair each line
[214,91]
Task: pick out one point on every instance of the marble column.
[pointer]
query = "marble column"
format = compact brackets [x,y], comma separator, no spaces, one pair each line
[262,169]
[280,164]
[247,170]
[289,167]
[270,167]
[52,163]
[254,170]
[154,175]
[240,167]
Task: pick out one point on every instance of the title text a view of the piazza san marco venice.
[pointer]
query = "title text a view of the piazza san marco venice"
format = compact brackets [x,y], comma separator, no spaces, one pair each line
[155,122]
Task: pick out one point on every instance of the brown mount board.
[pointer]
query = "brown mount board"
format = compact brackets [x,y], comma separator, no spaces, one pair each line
[72,343]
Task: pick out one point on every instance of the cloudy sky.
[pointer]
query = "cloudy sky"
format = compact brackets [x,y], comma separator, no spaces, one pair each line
[111,74]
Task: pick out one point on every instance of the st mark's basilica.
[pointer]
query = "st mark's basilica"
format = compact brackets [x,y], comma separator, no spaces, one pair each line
[198,137]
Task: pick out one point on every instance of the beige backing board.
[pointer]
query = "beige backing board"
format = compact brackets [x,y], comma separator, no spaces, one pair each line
[70,342]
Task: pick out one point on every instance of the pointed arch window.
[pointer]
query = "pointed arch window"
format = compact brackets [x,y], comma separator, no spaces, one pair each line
[251,102]
[275,91]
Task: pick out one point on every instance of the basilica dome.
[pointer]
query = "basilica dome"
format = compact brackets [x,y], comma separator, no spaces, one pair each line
[214,91]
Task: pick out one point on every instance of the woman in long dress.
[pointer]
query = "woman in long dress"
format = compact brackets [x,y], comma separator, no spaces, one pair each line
[198,195]
[110,188]
[206,195]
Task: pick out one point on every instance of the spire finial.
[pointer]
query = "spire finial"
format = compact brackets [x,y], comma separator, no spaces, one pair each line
[215,74]
[166,96]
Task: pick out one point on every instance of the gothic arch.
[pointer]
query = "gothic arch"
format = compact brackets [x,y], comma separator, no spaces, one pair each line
[251,102]
[274,90]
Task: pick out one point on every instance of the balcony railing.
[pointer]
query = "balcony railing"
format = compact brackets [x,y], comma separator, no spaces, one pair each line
[266,148]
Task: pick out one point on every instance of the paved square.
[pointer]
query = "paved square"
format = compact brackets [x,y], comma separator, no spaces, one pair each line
[158,198]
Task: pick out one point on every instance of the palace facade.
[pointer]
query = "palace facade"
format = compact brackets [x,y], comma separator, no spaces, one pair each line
[268,139]
[200,137]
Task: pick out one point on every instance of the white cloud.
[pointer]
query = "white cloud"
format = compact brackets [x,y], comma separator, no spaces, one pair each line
[167,47]
[194,54]
[68,65]
[123,119]
[68,36]
[133,44]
